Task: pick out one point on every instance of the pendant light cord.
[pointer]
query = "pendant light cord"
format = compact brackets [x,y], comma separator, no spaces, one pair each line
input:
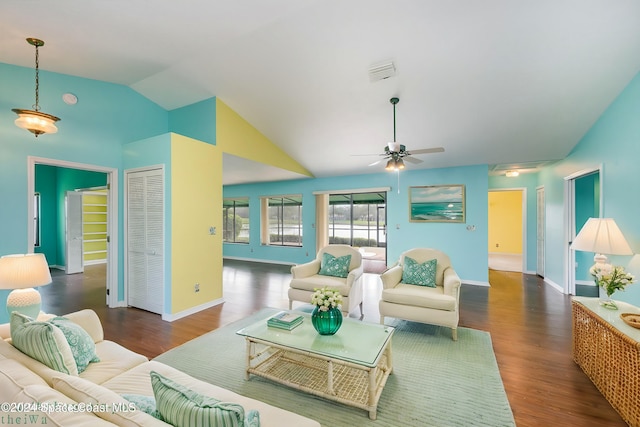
[37,106]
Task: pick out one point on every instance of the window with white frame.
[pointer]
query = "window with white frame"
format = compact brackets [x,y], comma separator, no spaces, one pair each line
[235,220]
[283,220]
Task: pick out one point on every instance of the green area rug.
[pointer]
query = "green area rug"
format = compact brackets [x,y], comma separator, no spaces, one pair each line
[435,382]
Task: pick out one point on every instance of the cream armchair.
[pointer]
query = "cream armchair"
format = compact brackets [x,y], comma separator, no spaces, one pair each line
[306,279]
[437,305]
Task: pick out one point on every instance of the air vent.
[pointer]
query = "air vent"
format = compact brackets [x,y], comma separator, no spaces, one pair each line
[382,71]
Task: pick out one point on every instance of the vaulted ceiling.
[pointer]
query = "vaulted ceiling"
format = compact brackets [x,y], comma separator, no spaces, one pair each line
[495,82]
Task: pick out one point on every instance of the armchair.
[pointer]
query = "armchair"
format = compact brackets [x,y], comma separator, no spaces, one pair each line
[437,305]
[306,278]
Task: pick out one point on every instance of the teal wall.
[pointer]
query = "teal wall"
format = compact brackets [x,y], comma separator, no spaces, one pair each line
[197,121]
[467,249]
[52,183]
[614,143]
[91,132]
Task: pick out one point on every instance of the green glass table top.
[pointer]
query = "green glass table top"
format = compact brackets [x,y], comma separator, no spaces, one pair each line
[356,341]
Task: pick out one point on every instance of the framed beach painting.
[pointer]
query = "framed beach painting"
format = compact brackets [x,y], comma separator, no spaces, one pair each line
[436,203]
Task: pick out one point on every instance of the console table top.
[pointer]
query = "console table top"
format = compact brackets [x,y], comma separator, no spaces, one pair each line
[612,316]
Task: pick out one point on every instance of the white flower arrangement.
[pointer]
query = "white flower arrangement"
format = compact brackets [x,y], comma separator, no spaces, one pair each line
[326,298]
[611,278]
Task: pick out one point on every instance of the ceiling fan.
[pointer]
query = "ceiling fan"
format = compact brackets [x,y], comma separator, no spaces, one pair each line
[396,154]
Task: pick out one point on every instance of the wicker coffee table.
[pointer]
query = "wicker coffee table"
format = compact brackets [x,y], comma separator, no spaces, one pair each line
[350,367]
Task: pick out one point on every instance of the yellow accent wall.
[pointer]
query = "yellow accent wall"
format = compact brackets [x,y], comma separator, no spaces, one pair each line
[236,136]
[196,205]
[505,222]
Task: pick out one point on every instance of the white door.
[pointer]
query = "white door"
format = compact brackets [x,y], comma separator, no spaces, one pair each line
[145,239]
[73,233]
[540,231]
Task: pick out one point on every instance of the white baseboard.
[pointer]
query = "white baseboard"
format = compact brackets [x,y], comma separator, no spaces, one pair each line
[554,285]
[175,316]
[264,261]
[475,283]
[96,262]
[586,282]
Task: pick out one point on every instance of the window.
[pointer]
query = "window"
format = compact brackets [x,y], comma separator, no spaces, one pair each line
[235,220]
[358,219]
[284,216]
[36,219]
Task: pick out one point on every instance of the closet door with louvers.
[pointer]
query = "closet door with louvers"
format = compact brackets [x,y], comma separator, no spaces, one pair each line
[145,239]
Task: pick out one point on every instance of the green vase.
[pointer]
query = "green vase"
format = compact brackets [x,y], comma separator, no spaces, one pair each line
[326,322]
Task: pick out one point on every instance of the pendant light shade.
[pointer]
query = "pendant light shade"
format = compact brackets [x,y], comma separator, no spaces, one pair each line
[34,120]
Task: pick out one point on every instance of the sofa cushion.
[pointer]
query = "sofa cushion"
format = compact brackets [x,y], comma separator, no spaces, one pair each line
[181,406]
[14,377]
[137,380]
[57,409]
[334,266]
[120,411]
[44,342]
[114,360]
[419,296]
[82,346]
[421,274]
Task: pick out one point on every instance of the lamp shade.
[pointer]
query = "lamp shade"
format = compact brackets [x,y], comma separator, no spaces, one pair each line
[24,271]
[602,236]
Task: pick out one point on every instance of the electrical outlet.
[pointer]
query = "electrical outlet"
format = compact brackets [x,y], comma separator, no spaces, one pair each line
[196,287]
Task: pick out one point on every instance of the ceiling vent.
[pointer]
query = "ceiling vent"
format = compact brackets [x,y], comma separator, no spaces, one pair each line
[382,71]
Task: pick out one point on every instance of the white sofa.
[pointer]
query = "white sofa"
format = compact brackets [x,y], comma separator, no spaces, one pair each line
[439,305]
[25,381]
[306,278]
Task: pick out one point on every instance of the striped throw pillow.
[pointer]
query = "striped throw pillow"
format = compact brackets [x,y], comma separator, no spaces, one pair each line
[181,406]
[43,342]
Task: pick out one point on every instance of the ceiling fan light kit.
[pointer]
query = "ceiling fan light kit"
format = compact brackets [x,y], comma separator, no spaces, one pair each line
[34,120]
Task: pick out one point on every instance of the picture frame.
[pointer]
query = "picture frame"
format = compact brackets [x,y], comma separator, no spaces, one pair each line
[437,203]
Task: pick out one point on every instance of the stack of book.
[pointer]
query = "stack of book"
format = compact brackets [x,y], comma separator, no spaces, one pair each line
[285,320]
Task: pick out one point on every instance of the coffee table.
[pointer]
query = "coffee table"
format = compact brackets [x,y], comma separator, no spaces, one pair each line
[350,367]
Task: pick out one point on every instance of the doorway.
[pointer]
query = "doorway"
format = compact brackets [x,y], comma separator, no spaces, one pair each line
[583,200]
[54,245]
[506,229]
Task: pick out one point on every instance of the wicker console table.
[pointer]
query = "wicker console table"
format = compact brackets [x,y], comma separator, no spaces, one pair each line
[350,367]
[608,351]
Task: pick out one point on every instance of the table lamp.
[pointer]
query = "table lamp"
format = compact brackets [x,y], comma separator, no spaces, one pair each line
[602,236]
[23,272]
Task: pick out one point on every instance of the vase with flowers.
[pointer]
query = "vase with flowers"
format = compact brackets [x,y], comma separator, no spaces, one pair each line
[610,278]
[326,317]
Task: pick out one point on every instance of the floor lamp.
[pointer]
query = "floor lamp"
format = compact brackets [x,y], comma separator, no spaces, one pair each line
[23,272]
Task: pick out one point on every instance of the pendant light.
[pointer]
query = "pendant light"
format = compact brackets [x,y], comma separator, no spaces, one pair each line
[34,120]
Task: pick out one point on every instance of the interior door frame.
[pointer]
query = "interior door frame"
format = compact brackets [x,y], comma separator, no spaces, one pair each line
[570,222]
[112,216]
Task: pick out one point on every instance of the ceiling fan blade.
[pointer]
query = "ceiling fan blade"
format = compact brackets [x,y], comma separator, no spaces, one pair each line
[375,163]
[427,150]
[413,160]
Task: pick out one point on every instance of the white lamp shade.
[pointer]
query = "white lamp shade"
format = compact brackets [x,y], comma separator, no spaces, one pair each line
[602,236]
[24,271]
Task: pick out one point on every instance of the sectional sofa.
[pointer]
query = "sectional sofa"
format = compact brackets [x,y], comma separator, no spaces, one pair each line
[105,393]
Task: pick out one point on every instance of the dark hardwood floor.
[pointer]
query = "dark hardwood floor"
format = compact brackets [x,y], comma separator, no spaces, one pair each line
[529,322]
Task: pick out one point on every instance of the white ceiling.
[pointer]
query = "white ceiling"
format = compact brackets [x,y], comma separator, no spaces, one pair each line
[492,81]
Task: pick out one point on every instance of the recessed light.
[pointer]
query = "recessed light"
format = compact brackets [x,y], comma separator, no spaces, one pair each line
[70,99]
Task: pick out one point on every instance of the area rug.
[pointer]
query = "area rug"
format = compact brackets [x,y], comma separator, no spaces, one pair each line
[435,382]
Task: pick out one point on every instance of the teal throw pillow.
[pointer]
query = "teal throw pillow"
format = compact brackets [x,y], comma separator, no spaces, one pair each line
[146,404]
[414,273]
[82,346]
[42,341]
[334,266]
[181,406]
